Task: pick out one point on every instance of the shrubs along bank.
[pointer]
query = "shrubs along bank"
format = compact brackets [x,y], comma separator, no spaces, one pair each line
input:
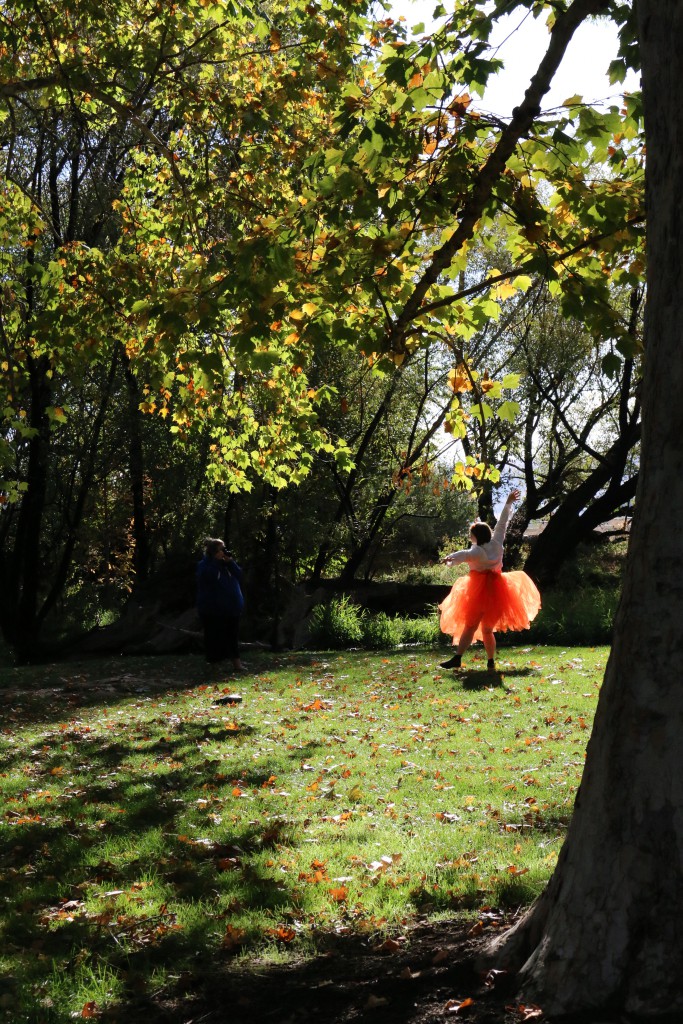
[584,617]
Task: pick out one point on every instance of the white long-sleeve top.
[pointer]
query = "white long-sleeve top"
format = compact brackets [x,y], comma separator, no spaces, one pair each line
[485,557]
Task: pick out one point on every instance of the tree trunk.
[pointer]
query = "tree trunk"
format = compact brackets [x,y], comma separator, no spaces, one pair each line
[21,590]
[608,931]
[597,498]
[136,466]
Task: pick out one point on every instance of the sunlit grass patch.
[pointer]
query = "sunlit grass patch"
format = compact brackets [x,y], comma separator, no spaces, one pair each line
[148,835]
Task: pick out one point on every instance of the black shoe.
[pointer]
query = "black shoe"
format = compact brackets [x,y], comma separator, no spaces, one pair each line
[490,665]
[453,662]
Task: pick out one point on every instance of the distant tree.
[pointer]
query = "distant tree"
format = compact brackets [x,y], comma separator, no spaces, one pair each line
[578,451]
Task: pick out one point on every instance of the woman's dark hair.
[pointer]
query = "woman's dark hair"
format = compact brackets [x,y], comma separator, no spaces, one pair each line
[482,532]
[212,545]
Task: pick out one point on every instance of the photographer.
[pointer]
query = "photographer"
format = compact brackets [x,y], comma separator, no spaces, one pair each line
[220,603]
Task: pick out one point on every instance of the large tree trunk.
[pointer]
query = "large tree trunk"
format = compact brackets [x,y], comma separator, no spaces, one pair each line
[608,931]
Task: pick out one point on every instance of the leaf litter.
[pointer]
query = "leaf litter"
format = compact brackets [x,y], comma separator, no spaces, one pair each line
[415,790]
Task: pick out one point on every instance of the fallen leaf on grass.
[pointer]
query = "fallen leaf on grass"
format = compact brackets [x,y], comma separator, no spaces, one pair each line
[233,938]
[457,1006]
[228,863]
[388,946]
[90,1010]
[529,1012]
[375,1001]
[282,934]
[384,863]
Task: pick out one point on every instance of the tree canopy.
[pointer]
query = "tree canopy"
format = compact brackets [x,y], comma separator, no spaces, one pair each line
[202,202]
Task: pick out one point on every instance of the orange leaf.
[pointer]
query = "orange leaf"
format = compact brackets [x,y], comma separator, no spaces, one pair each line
[282,934]
[90,1010]
[389,946]
[455,1006]
[459,379]
[317,705]
[340,894]
[227,863]
[233,938]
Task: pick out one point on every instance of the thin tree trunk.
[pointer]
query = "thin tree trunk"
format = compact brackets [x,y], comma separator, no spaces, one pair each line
[87,472]
[136,465]
[608,931]
[21,586]
[345,506]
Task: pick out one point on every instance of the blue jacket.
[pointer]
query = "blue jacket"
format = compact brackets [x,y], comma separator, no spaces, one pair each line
[218,587]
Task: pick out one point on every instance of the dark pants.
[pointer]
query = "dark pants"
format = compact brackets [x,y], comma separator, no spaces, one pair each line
[221,636]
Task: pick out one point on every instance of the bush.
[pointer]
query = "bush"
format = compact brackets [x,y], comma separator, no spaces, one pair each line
[381,631]
[582,617]
[338,623]
[422,631]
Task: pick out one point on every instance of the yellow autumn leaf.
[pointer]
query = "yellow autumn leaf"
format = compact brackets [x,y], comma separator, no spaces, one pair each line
[503,290]
[459,379]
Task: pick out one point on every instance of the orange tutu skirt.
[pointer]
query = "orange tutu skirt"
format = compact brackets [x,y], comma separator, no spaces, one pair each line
[489,600]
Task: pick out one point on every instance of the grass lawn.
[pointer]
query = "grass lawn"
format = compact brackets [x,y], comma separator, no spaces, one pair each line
[149,834]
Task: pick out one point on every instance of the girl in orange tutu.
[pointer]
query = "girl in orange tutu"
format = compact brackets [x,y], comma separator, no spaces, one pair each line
[487,598]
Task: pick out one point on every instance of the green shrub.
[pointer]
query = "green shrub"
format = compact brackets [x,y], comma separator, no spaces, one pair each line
[336,624]
[380,631]
[584,616]
[339,623]
[422,631]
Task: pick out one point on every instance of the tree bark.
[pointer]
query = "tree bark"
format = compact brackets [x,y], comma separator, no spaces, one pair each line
[591,503]
[607,933]
[136,467]
[22,584]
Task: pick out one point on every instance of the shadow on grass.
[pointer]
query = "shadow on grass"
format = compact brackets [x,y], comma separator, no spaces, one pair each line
[483,679]
[347,977]
[521,670]
[85,901]
[39,694]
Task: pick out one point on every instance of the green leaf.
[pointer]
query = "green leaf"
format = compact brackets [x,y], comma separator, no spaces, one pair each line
[612,364]
[508,411]
[617,71]
[397,70]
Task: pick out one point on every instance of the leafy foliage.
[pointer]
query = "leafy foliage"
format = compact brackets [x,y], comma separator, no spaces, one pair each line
[201,200]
